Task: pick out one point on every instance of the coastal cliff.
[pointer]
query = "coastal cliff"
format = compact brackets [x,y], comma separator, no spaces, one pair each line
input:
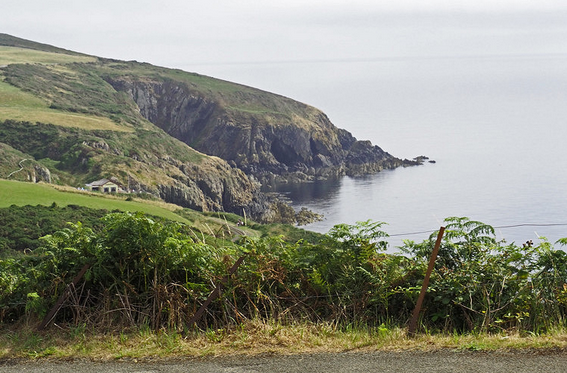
[189,139]
[280,138]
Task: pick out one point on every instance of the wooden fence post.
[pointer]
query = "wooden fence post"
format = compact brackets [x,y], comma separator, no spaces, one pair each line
[215,293]
[51,315]
[413,323]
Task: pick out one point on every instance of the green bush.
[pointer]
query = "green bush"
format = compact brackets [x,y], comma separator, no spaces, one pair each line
[148,272]
[22,226]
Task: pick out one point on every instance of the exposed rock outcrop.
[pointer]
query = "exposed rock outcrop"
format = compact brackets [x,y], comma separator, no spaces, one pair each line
[280,137]
[208,185]
[41,173]
[20,166]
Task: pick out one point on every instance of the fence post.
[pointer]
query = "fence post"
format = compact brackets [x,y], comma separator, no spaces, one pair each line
[62,298]
[215,293]
[413,323]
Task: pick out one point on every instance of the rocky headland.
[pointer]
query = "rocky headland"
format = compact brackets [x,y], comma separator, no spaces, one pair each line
[280,140]
[189,139]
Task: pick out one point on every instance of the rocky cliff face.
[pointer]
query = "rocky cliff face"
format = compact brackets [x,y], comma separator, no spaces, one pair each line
[160,167]
[264,136]
[210,184]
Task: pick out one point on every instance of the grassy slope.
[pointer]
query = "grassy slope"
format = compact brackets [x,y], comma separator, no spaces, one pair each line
[12,41]
[21,194]
[9,55]
[17,104]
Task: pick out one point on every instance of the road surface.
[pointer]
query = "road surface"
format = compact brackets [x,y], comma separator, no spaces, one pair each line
[438,361]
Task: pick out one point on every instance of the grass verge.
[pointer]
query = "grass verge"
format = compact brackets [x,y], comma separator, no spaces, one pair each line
[252,338]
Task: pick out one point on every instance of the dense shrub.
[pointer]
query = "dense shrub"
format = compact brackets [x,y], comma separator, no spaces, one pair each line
[480,283]
[22,226]
[147,272]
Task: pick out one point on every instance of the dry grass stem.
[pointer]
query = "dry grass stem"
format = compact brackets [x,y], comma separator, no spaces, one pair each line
[252,338]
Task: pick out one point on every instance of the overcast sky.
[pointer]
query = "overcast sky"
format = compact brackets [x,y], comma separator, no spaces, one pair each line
[185,33]
[293,47]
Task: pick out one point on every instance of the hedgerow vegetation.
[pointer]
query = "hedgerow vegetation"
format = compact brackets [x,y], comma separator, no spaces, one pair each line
[22,226]
[145,273]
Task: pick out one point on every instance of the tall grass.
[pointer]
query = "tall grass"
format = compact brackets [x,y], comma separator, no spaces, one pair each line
[252,338]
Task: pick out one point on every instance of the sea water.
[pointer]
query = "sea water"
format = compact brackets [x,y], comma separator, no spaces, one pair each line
[496,128]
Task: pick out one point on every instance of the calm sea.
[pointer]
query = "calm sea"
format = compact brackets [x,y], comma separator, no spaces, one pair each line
[496,127]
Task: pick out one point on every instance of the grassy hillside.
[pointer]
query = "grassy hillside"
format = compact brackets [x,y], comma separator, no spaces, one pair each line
[21,194]
[12,41]
[65,95]
[9,55]
[189,139]
[27,105]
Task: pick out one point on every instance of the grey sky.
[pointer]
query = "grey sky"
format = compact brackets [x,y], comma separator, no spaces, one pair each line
[268,44]
[179,32]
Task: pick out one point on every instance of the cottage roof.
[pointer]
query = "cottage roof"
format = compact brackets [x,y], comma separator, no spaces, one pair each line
[100,182]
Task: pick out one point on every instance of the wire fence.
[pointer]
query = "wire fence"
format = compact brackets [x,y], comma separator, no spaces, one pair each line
[533,225]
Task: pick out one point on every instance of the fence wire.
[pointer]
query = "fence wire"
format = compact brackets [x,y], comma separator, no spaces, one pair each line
[535,225]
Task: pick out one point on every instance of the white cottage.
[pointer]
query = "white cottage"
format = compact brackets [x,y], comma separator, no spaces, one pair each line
[105,186]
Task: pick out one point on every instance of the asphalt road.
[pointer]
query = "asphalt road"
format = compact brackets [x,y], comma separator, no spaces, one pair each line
[438,361]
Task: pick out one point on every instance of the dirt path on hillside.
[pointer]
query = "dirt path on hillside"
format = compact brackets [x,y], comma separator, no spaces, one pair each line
[438,361]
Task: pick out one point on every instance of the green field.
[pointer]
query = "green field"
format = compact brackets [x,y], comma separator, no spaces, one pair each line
[16,104]
[21,194]
[60,118]
[9,55]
